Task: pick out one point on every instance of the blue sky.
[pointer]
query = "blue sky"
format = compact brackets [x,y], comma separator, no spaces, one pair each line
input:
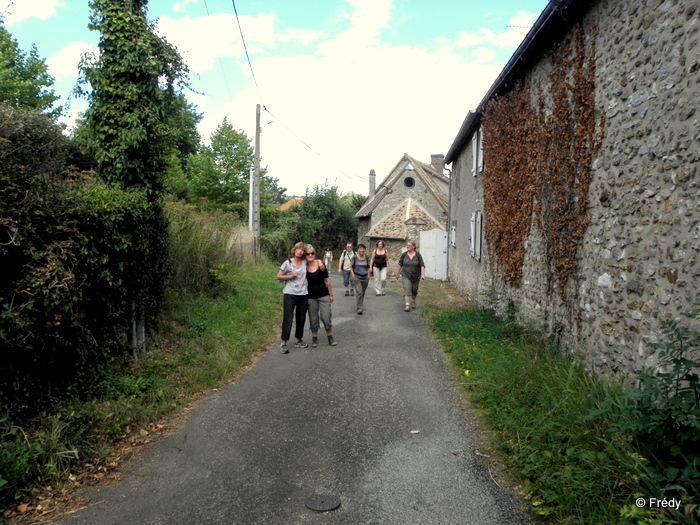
[346,85]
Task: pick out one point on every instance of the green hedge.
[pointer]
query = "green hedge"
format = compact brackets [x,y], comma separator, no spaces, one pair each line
[75,253]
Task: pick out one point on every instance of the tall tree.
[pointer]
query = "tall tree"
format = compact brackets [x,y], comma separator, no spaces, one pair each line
[136,83]
[24,77]
[221,171]
[135,86]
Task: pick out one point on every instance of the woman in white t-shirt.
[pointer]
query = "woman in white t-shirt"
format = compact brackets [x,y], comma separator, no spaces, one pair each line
[293,274]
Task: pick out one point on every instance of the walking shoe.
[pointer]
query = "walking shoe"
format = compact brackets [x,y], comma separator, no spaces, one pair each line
[331,341]
[413,303]
[347,293]
[314,342]
[359,312]
[301,344]
[284,349]
[408,308]
[379,293]
[383,293]
[352,292]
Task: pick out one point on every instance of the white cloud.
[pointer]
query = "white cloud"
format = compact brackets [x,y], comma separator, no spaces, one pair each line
[180,6]
[357,110]
[301,36]
[203,39]
[65,62]
[517,28]
[19,10]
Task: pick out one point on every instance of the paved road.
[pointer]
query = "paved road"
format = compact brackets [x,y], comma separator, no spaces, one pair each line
[327,421]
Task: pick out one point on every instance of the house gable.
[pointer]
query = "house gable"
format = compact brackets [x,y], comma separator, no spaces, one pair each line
[428,185]
[393,225]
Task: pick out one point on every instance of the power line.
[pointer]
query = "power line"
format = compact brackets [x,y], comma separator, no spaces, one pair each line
[264,107]
[221,62]
[245,47]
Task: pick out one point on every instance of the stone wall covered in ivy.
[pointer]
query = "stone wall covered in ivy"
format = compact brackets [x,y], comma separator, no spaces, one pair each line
[590,187]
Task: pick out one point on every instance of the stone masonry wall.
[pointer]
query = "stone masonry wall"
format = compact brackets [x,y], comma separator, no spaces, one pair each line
[639,257]
[637,262]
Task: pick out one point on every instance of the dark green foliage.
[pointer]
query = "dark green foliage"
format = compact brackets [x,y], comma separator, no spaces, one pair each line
[662,414]
[324,219]
[221,171]
[24,78]
[73,253]
[19,460]
[133,96]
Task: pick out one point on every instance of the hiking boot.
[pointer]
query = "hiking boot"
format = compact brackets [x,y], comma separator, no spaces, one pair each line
[331,341]
[347,292]
[284,349]
[408,308]
[301,344]
[352,292]
[314,342]
[359,312]
[413,304]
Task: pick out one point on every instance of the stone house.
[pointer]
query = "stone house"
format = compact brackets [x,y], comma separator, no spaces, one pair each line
[574,188]
[412,198]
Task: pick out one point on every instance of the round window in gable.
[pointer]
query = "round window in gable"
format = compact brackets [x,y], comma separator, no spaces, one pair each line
[409,182]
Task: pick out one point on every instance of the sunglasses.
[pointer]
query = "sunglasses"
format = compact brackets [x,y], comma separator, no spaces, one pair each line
[310,253]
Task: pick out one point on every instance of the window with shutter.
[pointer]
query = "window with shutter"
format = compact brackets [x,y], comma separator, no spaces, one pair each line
[473,234]
[480,155]
[477,235]
[475,153]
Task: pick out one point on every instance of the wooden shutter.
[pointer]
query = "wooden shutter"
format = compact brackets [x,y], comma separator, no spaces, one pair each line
[477,235]
[472,237]
[481,150]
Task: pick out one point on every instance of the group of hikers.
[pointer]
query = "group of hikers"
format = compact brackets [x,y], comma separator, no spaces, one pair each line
[308,286]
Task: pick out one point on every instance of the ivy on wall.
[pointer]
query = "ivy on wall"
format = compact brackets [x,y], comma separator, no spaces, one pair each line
[538,148]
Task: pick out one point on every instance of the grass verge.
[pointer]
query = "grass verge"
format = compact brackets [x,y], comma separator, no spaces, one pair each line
[536,403]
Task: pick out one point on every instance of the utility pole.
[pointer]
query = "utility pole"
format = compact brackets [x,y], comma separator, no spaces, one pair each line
[256,187]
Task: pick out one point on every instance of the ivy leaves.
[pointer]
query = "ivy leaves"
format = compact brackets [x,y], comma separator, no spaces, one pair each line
[134,83]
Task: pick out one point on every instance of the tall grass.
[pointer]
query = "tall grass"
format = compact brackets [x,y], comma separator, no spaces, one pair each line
[202,242]
[536,400]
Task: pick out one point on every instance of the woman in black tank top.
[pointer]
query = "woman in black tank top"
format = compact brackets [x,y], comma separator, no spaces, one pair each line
[379,265]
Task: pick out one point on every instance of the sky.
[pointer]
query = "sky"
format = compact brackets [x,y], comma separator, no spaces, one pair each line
[344,86]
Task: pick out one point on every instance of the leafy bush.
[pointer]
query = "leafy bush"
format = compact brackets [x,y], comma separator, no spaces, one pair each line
[75,253]
[661,415]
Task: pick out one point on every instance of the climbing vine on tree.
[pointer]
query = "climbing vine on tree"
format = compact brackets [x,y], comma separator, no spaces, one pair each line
[134,84]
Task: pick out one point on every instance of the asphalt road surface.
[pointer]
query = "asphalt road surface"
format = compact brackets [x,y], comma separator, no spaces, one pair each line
[373,424]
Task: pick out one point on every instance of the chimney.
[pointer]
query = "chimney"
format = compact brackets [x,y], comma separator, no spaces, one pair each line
[437,161]
[372,183]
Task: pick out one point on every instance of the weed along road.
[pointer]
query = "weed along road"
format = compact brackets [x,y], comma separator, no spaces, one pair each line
[373,425]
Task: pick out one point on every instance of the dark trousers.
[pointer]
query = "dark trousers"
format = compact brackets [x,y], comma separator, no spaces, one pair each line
[301,304]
